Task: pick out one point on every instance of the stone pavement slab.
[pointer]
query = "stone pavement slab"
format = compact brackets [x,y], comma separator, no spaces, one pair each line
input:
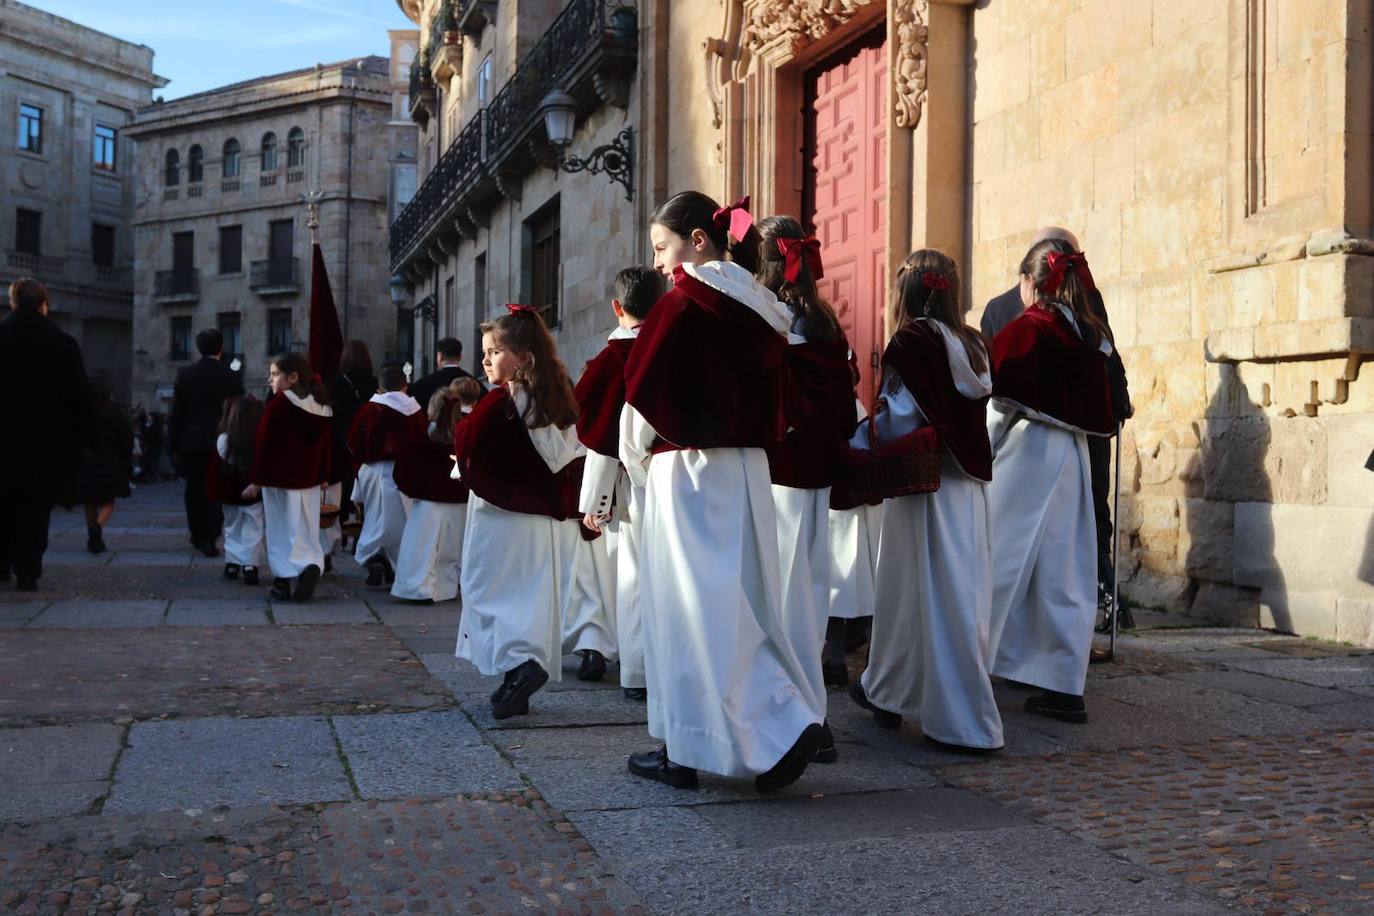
[1246,683]
[424,640]
[87,615]
[318,611]
[1113,725]
[1224,712]
[47,772]
[441,617]
[217,612]
[559,709]
[59,558]
[421,754]
[201,763]
[632,835]
[152,558]
[22,611]
[1340,672]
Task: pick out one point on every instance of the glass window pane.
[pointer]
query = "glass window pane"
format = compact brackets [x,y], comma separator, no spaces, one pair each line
[103,147]
[31,128]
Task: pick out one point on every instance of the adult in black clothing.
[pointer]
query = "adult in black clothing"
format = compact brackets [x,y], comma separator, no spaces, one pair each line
[348,391]
[45,416]
[197,402]
[449,353]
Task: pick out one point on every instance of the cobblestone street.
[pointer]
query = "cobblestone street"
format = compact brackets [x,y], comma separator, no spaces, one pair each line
[172,742]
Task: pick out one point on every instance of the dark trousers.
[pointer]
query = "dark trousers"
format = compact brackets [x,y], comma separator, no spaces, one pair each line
[23,533]
[1100,463]
[204,518]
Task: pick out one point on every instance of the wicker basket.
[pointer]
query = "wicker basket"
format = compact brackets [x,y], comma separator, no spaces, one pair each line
[329,514]
[903,467]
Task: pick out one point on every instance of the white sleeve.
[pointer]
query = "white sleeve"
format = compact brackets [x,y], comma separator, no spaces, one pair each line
[636,445]
[222,445]
[598,484]
[898,415]
[556,446]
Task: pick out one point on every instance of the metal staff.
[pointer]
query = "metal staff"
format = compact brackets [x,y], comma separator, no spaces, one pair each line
[1116,544]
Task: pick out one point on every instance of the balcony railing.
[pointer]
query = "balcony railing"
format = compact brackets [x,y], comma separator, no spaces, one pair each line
[275,276]
[588,52]
[423,99]
[108,273]
[474,15]
[176,286]
[37,264]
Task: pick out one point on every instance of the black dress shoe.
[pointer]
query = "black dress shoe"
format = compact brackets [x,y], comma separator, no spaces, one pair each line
[95,541]
[857,632]
[1062,706]
[376,574]
[328,563]
[656,765]
[1098,656]
[250,575]
[209,549]
[26,584]
[281,589]
[593,666]
[305,583]
[793,764]
[826,753]
[835,675]
[231,570]
[637,693]
[514,697]
[884,718]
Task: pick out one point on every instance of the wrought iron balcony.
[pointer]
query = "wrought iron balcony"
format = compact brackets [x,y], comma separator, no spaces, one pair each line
[275,276]
[589,52]
[176,286]
[423,100]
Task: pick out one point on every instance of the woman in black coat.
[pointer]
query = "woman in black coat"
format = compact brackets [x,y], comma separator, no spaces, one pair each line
[106,464]
[348,391]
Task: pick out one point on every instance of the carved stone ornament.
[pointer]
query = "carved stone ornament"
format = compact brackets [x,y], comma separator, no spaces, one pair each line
[909,62]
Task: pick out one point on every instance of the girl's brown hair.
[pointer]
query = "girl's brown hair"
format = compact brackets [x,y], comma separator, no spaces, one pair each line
[355,359]
[307,383]
[687,211]
[440,411]
[239,421]
[928,287]
[543,373]
[1072,291]
[466,389]
[818,321]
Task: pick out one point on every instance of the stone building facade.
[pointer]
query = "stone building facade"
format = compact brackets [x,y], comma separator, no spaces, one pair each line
[67,97]
[220,224]
[1215,158]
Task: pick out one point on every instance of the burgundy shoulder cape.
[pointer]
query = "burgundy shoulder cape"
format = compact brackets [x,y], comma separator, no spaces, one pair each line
[292,447]
[499,462]
[377,432]
[917,353]
[1039,362]
[600,396]
[708,372]
[225,484]
[423,466]
[823,418]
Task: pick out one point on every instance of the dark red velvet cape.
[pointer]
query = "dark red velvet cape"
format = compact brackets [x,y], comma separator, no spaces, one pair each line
[423,466]
[1039,362]
[224,484]
[708,372]
[917,353]
[600,396]
[823,419]
[378,431]
[292,447]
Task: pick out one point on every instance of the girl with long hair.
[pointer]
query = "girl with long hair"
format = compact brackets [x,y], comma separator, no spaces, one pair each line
[707,392]
[227,479]
[516,452]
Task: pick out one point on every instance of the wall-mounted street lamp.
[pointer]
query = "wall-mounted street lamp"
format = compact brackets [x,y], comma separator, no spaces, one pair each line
[399,290]
[427,308]
[616,158]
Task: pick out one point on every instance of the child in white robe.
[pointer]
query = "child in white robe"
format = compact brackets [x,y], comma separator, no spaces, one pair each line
[381,424]
[228,478]
[854,534]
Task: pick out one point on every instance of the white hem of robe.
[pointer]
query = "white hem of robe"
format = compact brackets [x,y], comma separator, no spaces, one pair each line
[292,519]
[243,534]
[431,551]
[589,609]
[629,624]
[804,557]
[385,509]
[854,536]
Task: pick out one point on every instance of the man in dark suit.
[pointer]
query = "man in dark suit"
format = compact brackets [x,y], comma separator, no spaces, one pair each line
[45,418]
[449,355]
[199,396]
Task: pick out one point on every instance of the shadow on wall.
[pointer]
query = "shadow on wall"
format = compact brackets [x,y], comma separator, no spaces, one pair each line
[1366,571]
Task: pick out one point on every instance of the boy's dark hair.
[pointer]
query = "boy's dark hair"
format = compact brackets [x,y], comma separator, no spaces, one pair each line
[27,295]
[210,342]
[393,378]
[449,348]
[638,288]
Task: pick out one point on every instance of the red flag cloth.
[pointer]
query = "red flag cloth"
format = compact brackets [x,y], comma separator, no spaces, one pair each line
[326,340]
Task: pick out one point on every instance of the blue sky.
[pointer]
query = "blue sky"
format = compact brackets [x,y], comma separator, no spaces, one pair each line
[202,44]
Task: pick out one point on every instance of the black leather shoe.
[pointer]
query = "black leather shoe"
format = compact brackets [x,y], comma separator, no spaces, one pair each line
[793,764]
[514,698]
[95,540]
[305,583]
[209,549]
[593,666]
[26,584]
[281,589]
[655,765]
[826,753]
[328,563]
[884,718]
[250,575]
[231,570]
[835,675]
[1062,706]
[637,693]
[376,574]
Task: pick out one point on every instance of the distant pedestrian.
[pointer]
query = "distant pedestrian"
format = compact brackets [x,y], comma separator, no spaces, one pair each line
[45,413]
[197,401]
[106,464]
[448,355]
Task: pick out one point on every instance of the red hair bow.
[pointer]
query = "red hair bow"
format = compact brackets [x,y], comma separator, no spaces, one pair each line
[734,219]
[801,251]
[933,280]
[517,309]
[1061,263]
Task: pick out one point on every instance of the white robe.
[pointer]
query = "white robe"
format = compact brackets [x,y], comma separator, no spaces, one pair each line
[431,551]
[726,690]
[516,571]
[804,557]
[292,519]
[1044,599]
[629,616]
[385,509]
[854,535]
[243,525]
[589,608]
[929,651]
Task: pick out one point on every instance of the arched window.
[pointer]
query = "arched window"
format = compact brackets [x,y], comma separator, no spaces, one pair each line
[269,152]
[295,148]
[172,173]
[231,158]
[195,169]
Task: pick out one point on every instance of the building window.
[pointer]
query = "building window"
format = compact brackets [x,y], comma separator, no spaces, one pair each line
[278,331]
[295,148]
[269,152]
[31,128]
[171,174]
[28,231]
[542,232]
[231,250]
[450,306]
[405,335]
[181,337]
[231,158]
[103,149]
[195,164]
[229,329]
[102,245]
[403,182]
[484,81]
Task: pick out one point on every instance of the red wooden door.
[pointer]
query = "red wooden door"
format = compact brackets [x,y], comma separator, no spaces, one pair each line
[845,192]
